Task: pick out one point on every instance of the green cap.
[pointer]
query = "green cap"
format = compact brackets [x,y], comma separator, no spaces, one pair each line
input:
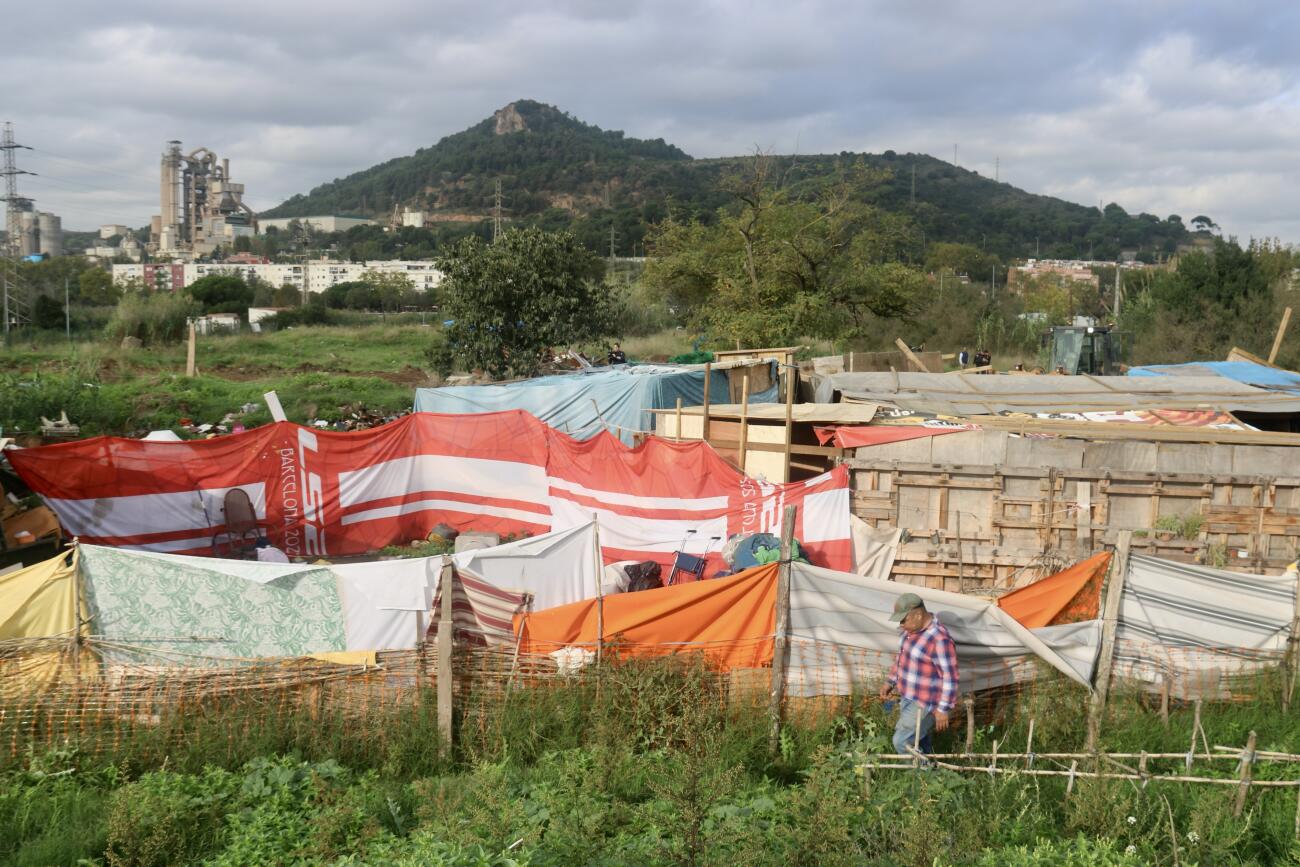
[904,604]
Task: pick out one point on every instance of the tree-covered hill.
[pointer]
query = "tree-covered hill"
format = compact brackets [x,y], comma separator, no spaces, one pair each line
[559,172]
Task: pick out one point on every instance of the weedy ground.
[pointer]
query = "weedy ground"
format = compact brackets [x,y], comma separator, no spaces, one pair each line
[634,763]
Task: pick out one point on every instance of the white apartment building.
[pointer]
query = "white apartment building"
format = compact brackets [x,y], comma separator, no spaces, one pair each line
[315,276]
[323,223]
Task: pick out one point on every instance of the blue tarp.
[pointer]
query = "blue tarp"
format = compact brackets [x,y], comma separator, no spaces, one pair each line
[1259,375]
[565,402]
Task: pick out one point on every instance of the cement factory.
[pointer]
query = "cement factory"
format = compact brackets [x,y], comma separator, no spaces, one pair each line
[28,232]
[202,209]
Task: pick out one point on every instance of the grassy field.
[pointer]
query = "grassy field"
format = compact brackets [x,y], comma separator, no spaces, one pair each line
[645,764]
[319,373]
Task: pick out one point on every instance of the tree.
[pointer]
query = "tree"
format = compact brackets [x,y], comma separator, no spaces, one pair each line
[390,290]
[48,313]
[787,261]
[95,286]
[1202,223]
[222,293]
[512,300]
[287,296]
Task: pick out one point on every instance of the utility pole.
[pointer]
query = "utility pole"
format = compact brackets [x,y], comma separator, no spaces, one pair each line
[496,212]
[1118,290]
[67,311]
[611,240]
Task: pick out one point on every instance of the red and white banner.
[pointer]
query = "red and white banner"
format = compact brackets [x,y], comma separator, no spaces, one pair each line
[330,493]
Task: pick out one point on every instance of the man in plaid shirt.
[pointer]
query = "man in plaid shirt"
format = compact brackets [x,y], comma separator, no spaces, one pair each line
[924,675]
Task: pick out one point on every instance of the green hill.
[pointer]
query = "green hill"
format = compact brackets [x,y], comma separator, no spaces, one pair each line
[557,171]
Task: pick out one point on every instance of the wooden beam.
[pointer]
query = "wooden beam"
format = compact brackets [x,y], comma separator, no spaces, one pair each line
[1281,332]
[744,419]
[1110,622]
[444,650]
[708,377]
[781,645]
[790,373]
[910,355]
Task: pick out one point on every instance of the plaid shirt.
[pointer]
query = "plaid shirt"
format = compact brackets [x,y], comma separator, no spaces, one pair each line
[926,668]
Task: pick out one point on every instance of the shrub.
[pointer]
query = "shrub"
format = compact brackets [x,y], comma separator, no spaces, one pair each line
[155,319]
[168,818]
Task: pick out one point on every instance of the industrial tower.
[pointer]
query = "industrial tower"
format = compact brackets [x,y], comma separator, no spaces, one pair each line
[15,205]
[202,209]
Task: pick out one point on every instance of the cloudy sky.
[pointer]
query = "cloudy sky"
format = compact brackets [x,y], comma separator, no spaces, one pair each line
[1166,107]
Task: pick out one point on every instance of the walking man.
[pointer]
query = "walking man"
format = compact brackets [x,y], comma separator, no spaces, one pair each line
[924,675]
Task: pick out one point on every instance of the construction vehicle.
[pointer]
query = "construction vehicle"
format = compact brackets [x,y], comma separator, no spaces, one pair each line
[1098,350]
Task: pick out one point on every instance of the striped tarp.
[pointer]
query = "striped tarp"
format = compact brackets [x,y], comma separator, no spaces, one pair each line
[1193,623]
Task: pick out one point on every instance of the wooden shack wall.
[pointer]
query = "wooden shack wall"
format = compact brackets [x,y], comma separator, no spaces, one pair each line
[1025,507]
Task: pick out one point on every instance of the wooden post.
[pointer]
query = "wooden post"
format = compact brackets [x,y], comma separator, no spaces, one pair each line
[1244,775]
[444,655]
[1110,620]
[1029,746]
[970,723]
[781,642]
[600,595]
[1281,332]
[961,559]
[916,739]
[789,417]
[1164,701]
[677,432]
[1292,650]
[189,354]
[77,638]
[910,355]
[708,379]
[744,418]
[1196,726]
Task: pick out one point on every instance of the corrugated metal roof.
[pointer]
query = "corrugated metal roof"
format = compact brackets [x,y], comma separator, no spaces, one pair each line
[974,394]
[1260,375]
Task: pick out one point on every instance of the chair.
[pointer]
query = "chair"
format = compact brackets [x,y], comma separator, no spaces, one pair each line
[685,564]
[241,532]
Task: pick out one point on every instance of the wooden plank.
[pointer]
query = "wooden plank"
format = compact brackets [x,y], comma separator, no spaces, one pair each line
[1110,621]
[911,356]
[704,431]
[1281,332]
[744,419]
[791,373]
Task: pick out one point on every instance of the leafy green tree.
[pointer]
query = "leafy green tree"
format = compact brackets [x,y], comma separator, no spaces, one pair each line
[222,293]
[287,296]
[336,296]
[784,261]
[47,312]
[512,300]
[390,290]
[95,286]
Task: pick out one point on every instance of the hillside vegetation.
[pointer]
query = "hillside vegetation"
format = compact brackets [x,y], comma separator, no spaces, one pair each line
[559,172]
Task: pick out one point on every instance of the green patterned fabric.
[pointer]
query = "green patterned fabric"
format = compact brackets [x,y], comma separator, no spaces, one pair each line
[154,609]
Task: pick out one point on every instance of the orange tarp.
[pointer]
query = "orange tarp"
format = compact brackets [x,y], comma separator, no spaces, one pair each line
[731,620]
[1066,597]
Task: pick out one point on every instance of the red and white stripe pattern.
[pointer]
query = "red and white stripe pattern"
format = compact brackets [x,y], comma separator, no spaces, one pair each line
[329,493]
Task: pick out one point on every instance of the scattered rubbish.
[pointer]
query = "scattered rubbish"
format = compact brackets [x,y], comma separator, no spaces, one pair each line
[204,428]
[443,533]
[321,423]
[250,407]
[475,541]
[61,429]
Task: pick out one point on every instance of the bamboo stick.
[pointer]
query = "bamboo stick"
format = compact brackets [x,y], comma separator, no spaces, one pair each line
[708,378]
[970,723]
[781,645]
[1029,745]
[1247,767]
[744,420]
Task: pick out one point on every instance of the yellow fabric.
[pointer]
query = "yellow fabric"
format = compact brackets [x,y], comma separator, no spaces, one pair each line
[346,657]
[38,608]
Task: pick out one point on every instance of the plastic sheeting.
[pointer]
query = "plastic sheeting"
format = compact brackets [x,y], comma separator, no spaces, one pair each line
[1066,597]
[39,602]
[1177,618]
[554,568]
[584,404]
[841,635]
[1259,375]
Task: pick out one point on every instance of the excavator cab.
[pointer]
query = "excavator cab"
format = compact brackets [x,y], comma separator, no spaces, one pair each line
[1098,350]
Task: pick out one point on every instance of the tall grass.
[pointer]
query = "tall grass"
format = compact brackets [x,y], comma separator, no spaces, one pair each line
[637,762]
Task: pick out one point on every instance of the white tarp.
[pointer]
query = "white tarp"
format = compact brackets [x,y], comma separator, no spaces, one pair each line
[556,568]
[874,549]
[1177,618]
[841,635]
[386,603]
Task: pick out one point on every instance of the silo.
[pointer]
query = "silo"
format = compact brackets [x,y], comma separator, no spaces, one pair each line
[51,228]
[29,231]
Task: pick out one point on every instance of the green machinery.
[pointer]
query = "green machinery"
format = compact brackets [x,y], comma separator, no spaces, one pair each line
[1098,350]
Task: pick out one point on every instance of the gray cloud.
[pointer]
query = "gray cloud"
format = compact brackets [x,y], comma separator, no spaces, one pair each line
[1162,107]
